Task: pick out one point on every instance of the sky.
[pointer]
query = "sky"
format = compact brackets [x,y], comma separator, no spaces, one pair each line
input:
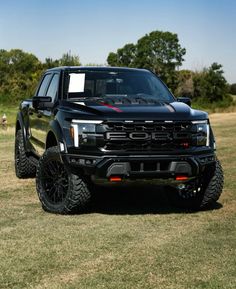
[93,28]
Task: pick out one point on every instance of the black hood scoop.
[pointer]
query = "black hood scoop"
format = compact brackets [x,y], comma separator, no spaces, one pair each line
[134,100]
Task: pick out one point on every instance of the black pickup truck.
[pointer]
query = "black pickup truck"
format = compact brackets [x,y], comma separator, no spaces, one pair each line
[88,127]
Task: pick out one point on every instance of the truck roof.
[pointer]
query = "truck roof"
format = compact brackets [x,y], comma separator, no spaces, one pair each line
[95,68]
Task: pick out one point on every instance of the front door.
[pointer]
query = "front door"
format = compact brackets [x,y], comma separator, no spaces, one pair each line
[40,118]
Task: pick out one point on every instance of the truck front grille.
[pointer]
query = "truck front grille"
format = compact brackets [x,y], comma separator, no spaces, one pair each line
[147,136]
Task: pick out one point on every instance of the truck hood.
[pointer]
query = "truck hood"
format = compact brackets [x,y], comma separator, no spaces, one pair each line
[101,109]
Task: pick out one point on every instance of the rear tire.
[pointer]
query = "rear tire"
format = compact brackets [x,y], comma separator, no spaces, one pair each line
[201,193]
[59,190]
[24,167]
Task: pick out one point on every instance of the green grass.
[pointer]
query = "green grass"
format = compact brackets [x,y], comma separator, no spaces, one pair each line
[234,97]
[124,241]
[215,107]
[10,111]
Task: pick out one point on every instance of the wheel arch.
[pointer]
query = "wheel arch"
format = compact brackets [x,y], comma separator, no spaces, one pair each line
[54,135]
[18,126]
[51,140]
[21,126]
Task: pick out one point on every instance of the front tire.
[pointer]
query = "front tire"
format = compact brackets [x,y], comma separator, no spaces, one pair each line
[59,190]
[214,186]
[201,193]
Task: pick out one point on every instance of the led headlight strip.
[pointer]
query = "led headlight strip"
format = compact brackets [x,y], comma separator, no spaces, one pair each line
[207,129]
[87,121]
[199,121]
[75,127]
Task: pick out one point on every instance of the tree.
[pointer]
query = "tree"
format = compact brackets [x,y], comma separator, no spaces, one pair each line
[66,60]
[233,88]
[210,84]
[21,73]
[185,84]
[50,63]
[4,65]
[69,60]
[158,51]
[125,56]
[23,62]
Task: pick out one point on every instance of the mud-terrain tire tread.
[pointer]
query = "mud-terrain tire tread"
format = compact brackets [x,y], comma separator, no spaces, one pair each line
[78,194]
[25,168]
[214,187]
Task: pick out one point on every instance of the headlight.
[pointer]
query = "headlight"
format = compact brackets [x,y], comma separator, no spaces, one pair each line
[201,132]
[83,132]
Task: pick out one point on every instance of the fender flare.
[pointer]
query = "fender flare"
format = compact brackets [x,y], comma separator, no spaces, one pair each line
[56,129]
[21,125]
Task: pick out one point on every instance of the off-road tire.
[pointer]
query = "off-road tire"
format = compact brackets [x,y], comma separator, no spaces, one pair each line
[71,193]
[214,187]
[210,187]
[24,167]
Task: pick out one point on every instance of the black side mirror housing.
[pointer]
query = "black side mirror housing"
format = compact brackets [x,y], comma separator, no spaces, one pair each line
[185,100]
[42,102]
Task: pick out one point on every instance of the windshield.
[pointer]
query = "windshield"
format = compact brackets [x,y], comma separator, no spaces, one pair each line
[127,84]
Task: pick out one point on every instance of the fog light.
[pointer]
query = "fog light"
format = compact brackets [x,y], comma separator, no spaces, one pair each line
[181,186]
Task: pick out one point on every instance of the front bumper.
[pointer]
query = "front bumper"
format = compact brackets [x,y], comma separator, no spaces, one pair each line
[162,169]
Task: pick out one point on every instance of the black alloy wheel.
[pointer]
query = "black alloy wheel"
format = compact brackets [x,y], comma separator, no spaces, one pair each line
[55,181]
[59,190]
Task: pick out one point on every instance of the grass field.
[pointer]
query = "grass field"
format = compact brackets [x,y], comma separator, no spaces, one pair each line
[126,240]
[10,112]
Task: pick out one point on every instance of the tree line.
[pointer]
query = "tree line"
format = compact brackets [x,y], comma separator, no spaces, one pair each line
[157,51]
[162,53]
[20,72]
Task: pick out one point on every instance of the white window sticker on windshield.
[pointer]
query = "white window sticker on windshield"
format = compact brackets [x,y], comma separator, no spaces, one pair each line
[77,81]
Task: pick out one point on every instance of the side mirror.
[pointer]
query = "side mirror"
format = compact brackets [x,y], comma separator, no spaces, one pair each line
[42,102]
[185,100]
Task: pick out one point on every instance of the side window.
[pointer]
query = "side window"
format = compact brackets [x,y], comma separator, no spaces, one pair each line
[53,87]
[44,85]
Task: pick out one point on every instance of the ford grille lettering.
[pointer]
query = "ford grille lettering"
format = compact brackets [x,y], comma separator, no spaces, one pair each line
[138,135]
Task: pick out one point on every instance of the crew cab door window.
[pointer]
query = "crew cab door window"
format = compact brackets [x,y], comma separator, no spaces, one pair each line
[44,85]
[53,87]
